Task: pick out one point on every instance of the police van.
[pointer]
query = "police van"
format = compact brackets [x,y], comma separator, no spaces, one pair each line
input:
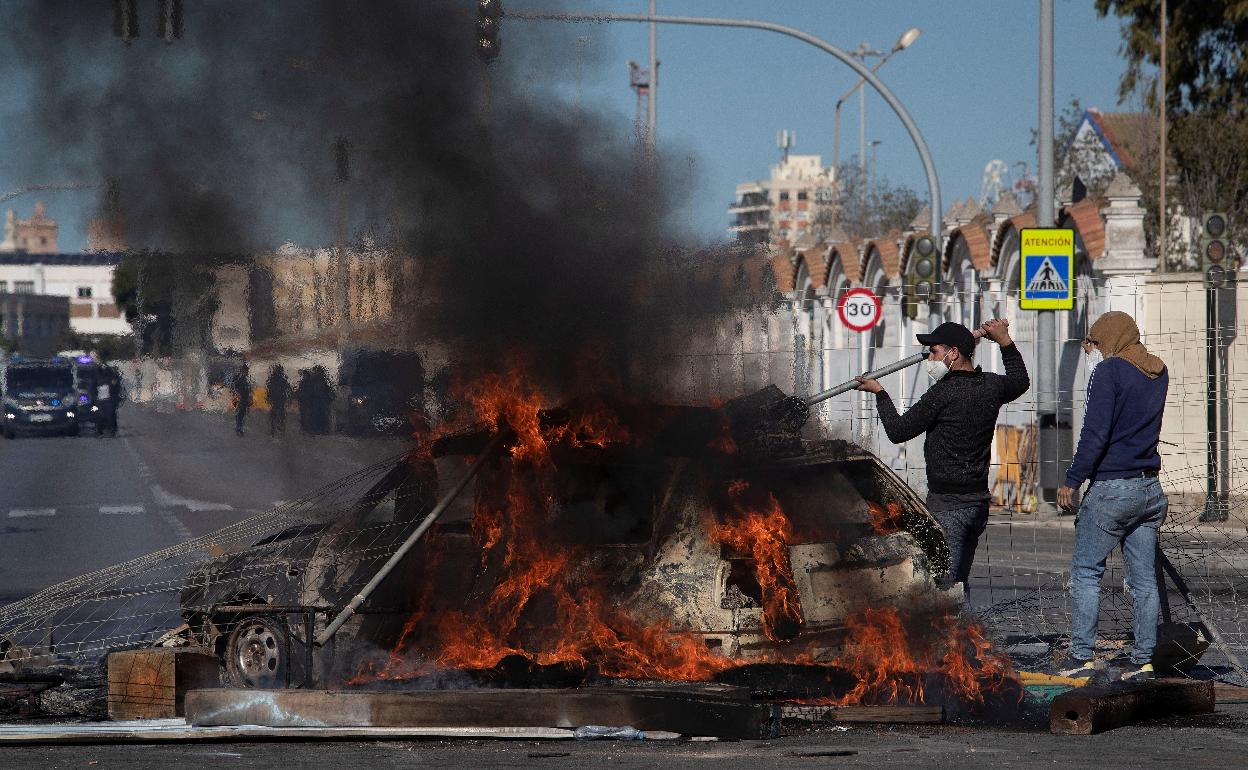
[39,397]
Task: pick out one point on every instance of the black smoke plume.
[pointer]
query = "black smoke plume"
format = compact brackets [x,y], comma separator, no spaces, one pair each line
[527,225]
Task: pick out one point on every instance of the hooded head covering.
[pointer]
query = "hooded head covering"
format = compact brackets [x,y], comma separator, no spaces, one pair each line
[1117,336]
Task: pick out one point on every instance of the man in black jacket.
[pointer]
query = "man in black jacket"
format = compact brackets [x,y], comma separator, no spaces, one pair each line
[959,414]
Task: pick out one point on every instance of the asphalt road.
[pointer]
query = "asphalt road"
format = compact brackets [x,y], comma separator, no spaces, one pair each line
[70,505]
[1214,741]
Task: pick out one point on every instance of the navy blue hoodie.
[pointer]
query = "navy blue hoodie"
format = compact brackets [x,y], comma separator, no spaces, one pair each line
[1122,424]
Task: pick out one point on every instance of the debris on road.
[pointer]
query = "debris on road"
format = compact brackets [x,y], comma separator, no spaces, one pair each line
[1097,708]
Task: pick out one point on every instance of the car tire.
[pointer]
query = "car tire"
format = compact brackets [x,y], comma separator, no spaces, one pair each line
[256,654]
[73,431]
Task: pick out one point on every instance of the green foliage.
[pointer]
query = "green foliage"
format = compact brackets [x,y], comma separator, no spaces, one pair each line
[867,208]
[1206,65]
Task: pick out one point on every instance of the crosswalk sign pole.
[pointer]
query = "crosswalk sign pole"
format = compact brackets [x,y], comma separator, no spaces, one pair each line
[1046,276]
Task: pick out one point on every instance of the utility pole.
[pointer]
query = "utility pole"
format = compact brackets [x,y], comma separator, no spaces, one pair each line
[1046,321]
[652,114]
[1161,157]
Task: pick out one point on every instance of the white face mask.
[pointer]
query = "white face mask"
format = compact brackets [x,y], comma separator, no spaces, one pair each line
[1094,358]
[936,370]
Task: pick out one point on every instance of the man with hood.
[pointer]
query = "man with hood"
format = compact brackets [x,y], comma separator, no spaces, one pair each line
[1124,505]
[959,415]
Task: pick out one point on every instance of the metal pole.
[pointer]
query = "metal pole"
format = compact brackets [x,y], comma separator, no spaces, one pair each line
[402,550]
[836,141]
[929,166]
[864,403]
[862,128]
[1213,508]
[652,117]
[1161,162]
[1046,322]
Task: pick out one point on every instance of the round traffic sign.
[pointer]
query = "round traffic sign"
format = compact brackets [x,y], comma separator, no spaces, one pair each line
[860,309]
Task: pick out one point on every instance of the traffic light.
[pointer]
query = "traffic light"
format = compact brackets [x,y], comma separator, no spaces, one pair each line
[125,19]
[489,27]
[921,277]
[1216,262]
[169,20]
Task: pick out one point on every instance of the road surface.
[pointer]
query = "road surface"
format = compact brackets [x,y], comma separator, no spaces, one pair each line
[69,505]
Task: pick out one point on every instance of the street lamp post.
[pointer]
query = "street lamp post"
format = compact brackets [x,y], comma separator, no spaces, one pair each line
[907,38]
[929,166]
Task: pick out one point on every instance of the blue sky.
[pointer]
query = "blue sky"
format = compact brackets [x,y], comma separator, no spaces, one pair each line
[969,82]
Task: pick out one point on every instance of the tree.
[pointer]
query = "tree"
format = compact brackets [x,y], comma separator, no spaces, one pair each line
[867,208]
[1206,61]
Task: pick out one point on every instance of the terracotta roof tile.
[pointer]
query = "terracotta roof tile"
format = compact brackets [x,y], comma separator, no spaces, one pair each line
[890,256]
[847,253]
[784,270]
[978,242]
[1017,222]
[1086,215]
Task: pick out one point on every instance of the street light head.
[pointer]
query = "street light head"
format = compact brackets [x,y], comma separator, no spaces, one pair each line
[907,37]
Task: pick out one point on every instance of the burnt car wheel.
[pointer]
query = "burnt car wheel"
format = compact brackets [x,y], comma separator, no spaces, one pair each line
[256,653]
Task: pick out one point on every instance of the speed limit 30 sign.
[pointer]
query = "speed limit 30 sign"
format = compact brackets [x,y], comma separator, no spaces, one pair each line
[860,309]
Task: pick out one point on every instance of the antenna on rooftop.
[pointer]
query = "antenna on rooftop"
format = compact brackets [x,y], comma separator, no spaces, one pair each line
[784,141]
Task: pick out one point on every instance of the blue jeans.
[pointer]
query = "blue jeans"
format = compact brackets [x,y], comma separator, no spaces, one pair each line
[962,528]
[1126,513]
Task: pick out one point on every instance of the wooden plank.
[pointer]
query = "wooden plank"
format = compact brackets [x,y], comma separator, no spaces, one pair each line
[1097,708]
[900,715]
[179,731]
[1230,693]
[152,683]
[652,709]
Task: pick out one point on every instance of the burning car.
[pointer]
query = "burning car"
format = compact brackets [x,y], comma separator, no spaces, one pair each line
[632,541]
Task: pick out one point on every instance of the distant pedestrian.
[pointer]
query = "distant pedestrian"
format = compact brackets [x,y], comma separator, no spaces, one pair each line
[303,394]
[1125,505]
[321,400]
[242,395]
[106,387]
[279,391]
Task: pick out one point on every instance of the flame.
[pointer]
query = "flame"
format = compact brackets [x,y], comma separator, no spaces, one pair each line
[552,603]
[511,528]
[764,533]
[885,520]
[892,657]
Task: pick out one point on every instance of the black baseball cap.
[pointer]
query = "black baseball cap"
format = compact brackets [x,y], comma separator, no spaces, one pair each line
[953,334]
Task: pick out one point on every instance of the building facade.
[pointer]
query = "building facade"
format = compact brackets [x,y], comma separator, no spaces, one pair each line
[808,349]
[85,279]
[32,323]
[36,235]
[794,203]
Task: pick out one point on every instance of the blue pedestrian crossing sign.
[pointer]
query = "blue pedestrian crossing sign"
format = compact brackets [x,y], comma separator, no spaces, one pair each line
[1047,256]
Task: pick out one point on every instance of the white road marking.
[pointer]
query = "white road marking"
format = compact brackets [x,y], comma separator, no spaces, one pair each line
[21,513]
[122,510]
[179,529]
[167,499]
